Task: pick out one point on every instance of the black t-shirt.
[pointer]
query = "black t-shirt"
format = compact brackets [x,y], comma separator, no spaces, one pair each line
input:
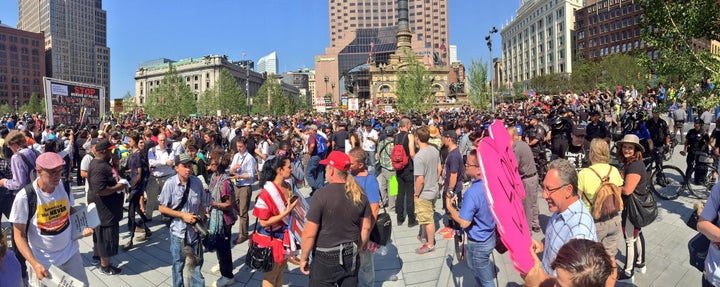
[339,138]
[579,156]
[658,131]
[402,138]
[637,167]
[109,207]
[595,131]
[338,217]
[454,164]
[135,162]
[716,135]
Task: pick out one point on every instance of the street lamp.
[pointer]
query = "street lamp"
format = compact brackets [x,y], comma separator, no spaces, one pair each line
[382,82]
[488,38]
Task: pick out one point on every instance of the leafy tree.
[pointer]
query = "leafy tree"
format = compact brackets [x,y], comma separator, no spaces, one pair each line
[414,87]
[34,105]
[553,84]
[208,102]
[230,97]
[171,98]
[304,103]
[670,28]
[267,97]
[621,69]
[479,92]
[586,75]
[6,109]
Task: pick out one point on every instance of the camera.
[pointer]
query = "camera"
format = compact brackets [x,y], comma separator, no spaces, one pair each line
[201,227]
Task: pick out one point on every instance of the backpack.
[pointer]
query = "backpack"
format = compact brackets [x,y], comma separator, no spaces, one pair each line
[607,197]
[123,166]
[32,173]
[320,145]
[398,157]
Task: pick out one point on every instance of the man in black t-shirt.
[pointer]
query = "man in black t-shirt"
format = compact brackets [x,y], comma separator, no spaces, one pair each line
[578,153]
[337,227]
[139,172]
[339,137]
[106,192]
[453,171]
[695,141]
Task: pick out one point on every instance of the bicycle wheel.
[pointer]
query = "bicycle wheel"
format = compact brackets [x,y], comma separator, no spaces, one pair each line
[669,183]
[708,184]
[460,240]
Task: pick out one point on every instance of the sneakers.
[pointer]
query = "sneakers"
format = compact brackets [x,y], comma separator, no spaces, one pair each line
[640,267]
[446,230]
[412,223]
[422,240]
[425,249]
[223,281]
[110,270]
[624,277]
[215,269]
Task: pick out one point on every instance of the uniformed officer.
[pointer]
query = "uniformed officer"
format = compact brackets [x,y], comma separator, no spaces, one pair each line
[535,137]
[596,129]
[696,141]
[560,135]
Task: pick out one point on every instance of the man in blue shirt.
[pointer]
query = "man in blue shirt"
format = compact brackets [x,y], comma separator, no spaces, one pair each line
[475,217]
[368,182]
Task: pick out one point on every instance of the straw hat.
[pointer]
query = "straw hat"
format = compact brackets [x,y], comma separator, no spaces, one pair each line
[631,139]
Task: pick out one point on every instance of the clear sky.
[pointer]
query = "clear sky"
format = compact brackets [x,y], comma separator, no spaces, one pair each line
[141,30]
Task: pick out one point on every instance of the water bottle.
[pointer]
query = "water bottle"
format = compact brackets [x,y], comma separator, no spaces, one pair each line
[381,250]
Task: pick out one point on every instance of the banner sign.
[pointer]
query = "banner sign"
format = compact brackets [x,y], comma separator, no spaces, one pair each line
[505,193]
[73,103]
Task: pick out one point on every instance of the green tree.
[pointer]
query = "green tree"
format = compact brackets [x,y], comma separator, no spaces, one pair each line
[269,99]
[414,87]
[621,69]
[479,91]
[34,105]
[230,97]
[171,98]
[5,109]
[670,27]
[553,84]
[586,75]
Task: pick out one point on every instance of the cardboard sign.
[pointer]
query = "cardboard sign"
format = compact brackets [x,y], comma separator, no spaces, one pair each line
[84,217]
[59,278]
[505,193]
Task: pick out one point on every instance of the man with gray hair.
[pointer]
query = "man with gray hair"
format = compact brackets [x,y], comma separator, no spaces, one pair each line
[570,218]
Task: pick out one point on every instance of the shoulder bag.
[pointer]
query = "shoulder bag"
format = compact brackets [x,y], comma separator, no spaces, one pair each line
[257,257]
[699,245]
[167,219]
[642,208]
[382,230]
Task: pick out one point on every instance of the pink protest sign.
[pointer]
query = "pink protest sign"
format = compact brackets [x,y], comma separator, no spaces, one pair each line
[505,193]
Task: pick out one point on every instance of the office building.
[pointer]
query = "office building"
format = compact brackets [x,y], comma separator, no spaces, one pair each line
[362,26]
[538,40]
[75,41]
[453,54]
[609,27]
[268,64]
[22,66]
[200,74]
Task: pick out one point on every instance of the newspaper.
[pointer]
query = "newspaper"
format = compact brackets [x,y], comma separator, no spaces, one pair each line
[84,216]
[59,278]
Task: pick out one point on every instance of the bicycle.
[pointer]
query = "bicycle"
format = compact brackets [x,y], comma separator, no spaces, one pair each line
[704,160]
[666,181]
[460,238]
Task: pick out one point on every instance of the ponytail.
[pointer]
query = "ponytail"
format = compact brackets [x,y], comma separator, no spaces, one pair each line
[352,188]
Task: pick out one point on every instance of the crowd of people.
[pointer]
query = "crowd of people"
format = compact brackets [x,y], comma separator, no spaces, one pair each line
[569,148]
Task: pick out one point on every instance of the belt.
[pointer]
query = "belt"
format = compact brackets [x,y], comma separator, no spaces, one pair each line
[528,175]
[345,249]
[606,218]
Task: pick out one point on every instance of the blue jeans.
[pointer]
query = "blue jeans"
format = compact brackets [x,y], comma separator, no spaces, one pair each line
[178,263]
[315,173]
[366,274]
[478,259]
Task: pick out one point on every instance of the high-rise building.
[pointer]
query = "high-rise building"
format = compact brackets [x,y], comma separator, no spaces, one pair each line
[453,54]
[539,40]
[268,64]
[373,19]
[75,38]
[22,66]
[609,27]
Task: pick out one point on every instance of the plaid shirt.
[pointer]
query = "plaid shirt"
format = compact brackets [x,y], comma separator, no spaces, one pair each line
[384,149]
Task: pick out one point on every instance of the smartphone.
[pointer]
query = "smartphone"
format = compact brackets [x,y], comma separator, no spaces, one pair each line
[293,198]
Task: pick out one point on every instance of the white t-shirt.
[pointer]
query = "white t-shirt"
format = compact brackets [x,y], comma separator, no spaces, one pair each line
[50,236]
[369,145]
[264,148]
[85,166]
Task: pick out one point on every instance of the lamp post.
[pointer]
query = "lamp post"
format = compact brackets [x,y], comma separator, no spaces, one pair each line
[488,38]
[382,82]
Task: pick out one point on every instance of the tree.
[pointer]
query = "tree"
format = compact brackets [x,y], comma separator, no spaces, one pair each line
[34,105]
[586,75]
[670,27]
[5,109]
[479,92]
[171,98]
[230,97]
[553,84]
[267,98]
[414,87]
[621,69]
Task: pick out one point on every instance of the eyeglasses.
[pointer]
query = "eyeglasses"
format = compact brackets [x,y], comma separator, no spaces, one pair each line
[550,191]
[473,165]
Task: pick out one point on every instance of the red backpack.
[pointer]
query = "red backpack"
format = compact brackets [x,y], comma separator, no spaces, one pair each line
[398,157]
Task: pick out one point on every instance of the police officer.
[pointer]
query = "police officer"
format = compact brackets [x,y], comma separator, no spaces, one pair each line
[660,135]
[535,138]
[695,141]
[596,129]
[560,134]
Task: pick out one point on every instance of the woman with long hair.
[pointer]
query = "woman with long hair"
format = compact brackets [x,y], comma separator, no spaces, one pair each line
[635,178]
[272,208]
[222,215]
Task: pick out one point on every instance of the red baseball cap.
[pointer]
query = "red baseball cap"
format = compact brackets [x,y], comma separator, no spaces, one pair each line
[338,160]
[49,160]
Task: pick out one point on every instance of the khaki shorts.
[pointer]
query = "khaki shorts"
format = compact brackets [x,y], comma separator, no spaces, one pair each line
[425,210]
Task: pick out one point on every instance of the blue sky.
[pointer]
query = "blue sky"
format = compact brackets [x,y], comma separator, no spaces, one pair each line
[141,30]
